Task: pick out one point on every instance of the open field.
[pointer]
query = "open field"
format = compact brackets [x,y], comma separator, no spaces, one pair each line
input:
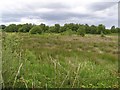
[59,61]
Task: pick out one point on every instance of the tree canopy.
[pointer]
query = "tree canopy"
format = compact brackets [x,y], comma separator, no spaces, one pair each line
[36,30]
[57,28]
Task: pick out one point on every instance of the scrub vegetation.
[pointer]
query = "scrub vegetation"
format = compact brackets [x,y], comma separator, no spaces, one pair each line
[66,58]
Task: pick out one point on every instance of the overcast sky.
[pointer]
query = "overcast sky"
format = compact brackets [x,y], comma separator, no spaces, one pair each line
[59,11]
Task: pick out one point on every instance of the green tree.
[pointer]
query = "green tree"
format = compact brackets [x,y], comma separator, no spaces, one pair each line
[118,30]
[57,28]
[93,29]
[107,31]
[102,34]
[11,28]
[75,27]
[46,29]
[43,27]
[62,29]
[101,28]
[51,29]
[68,31]
[81,31]
[36,30]
[2,26]
[87,28]
[72,26]
[25,28]
[113,29]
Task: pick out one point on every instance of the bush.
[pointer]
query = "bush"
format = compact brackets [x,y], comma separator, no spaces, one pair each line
[51,29]
[107,31]
[102,34]
[36,30]
[11,28]
[68,32]
[81,31]
[21,29]
[25,28]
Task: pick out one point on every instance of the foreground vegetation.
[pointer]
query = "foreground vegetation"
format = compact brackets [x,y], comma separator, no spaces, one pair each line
[59,61]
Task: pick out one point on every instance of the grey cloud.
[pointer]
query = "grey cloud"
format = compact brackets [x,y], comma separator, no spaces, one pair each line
[55,15]
[13,16]
[10,19]
[55,6]
[98,6]
[61,13]
[28,10]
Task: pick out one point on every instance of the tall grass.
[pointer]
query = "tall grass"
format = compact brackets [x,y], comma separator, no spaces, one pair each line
[59,61]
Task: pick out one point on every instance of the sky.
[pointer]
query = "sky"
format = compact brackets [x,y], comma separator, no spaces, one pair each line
[92,12]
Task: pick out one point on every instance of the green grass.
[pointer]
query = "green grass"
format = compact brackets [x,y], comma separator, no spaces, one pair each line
[59,61]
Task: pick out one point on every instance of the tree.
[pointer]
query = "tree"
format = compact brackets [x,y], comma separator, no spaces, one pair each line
[81,31]
[118,30]
[87,28]
[101,28]
[63,28]
[25,28]
[107,31]
[54,29]
[11,28]
[93,29]
[75,27]
[51,29]
[113,29]
[46,28]
[36,30]
[57,28]
[72,26]
[43,27]
[102,34]
[2,26]
[68,32]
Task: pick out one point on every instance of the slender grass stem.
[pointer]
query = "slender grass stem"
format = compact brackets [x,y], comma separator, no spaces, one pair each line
[18,72]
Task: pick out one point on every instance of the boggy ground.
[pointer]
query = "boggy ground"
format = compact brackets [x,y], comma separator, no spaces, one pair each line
[59,61]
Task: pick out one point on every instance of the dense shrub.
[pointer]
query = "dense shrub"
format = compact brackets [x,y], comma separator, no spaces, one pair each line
[81,31]
[113,29]
[93,29]
[2,26]
[101,28]
[68,29]
[51,29]
[11,28]
[36,30]
[102,34]
[25,28]
[68,32]
[107,31]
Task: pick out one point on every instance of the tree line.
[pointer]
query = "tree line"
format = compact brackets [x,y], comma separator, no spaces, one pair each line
[70,28]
